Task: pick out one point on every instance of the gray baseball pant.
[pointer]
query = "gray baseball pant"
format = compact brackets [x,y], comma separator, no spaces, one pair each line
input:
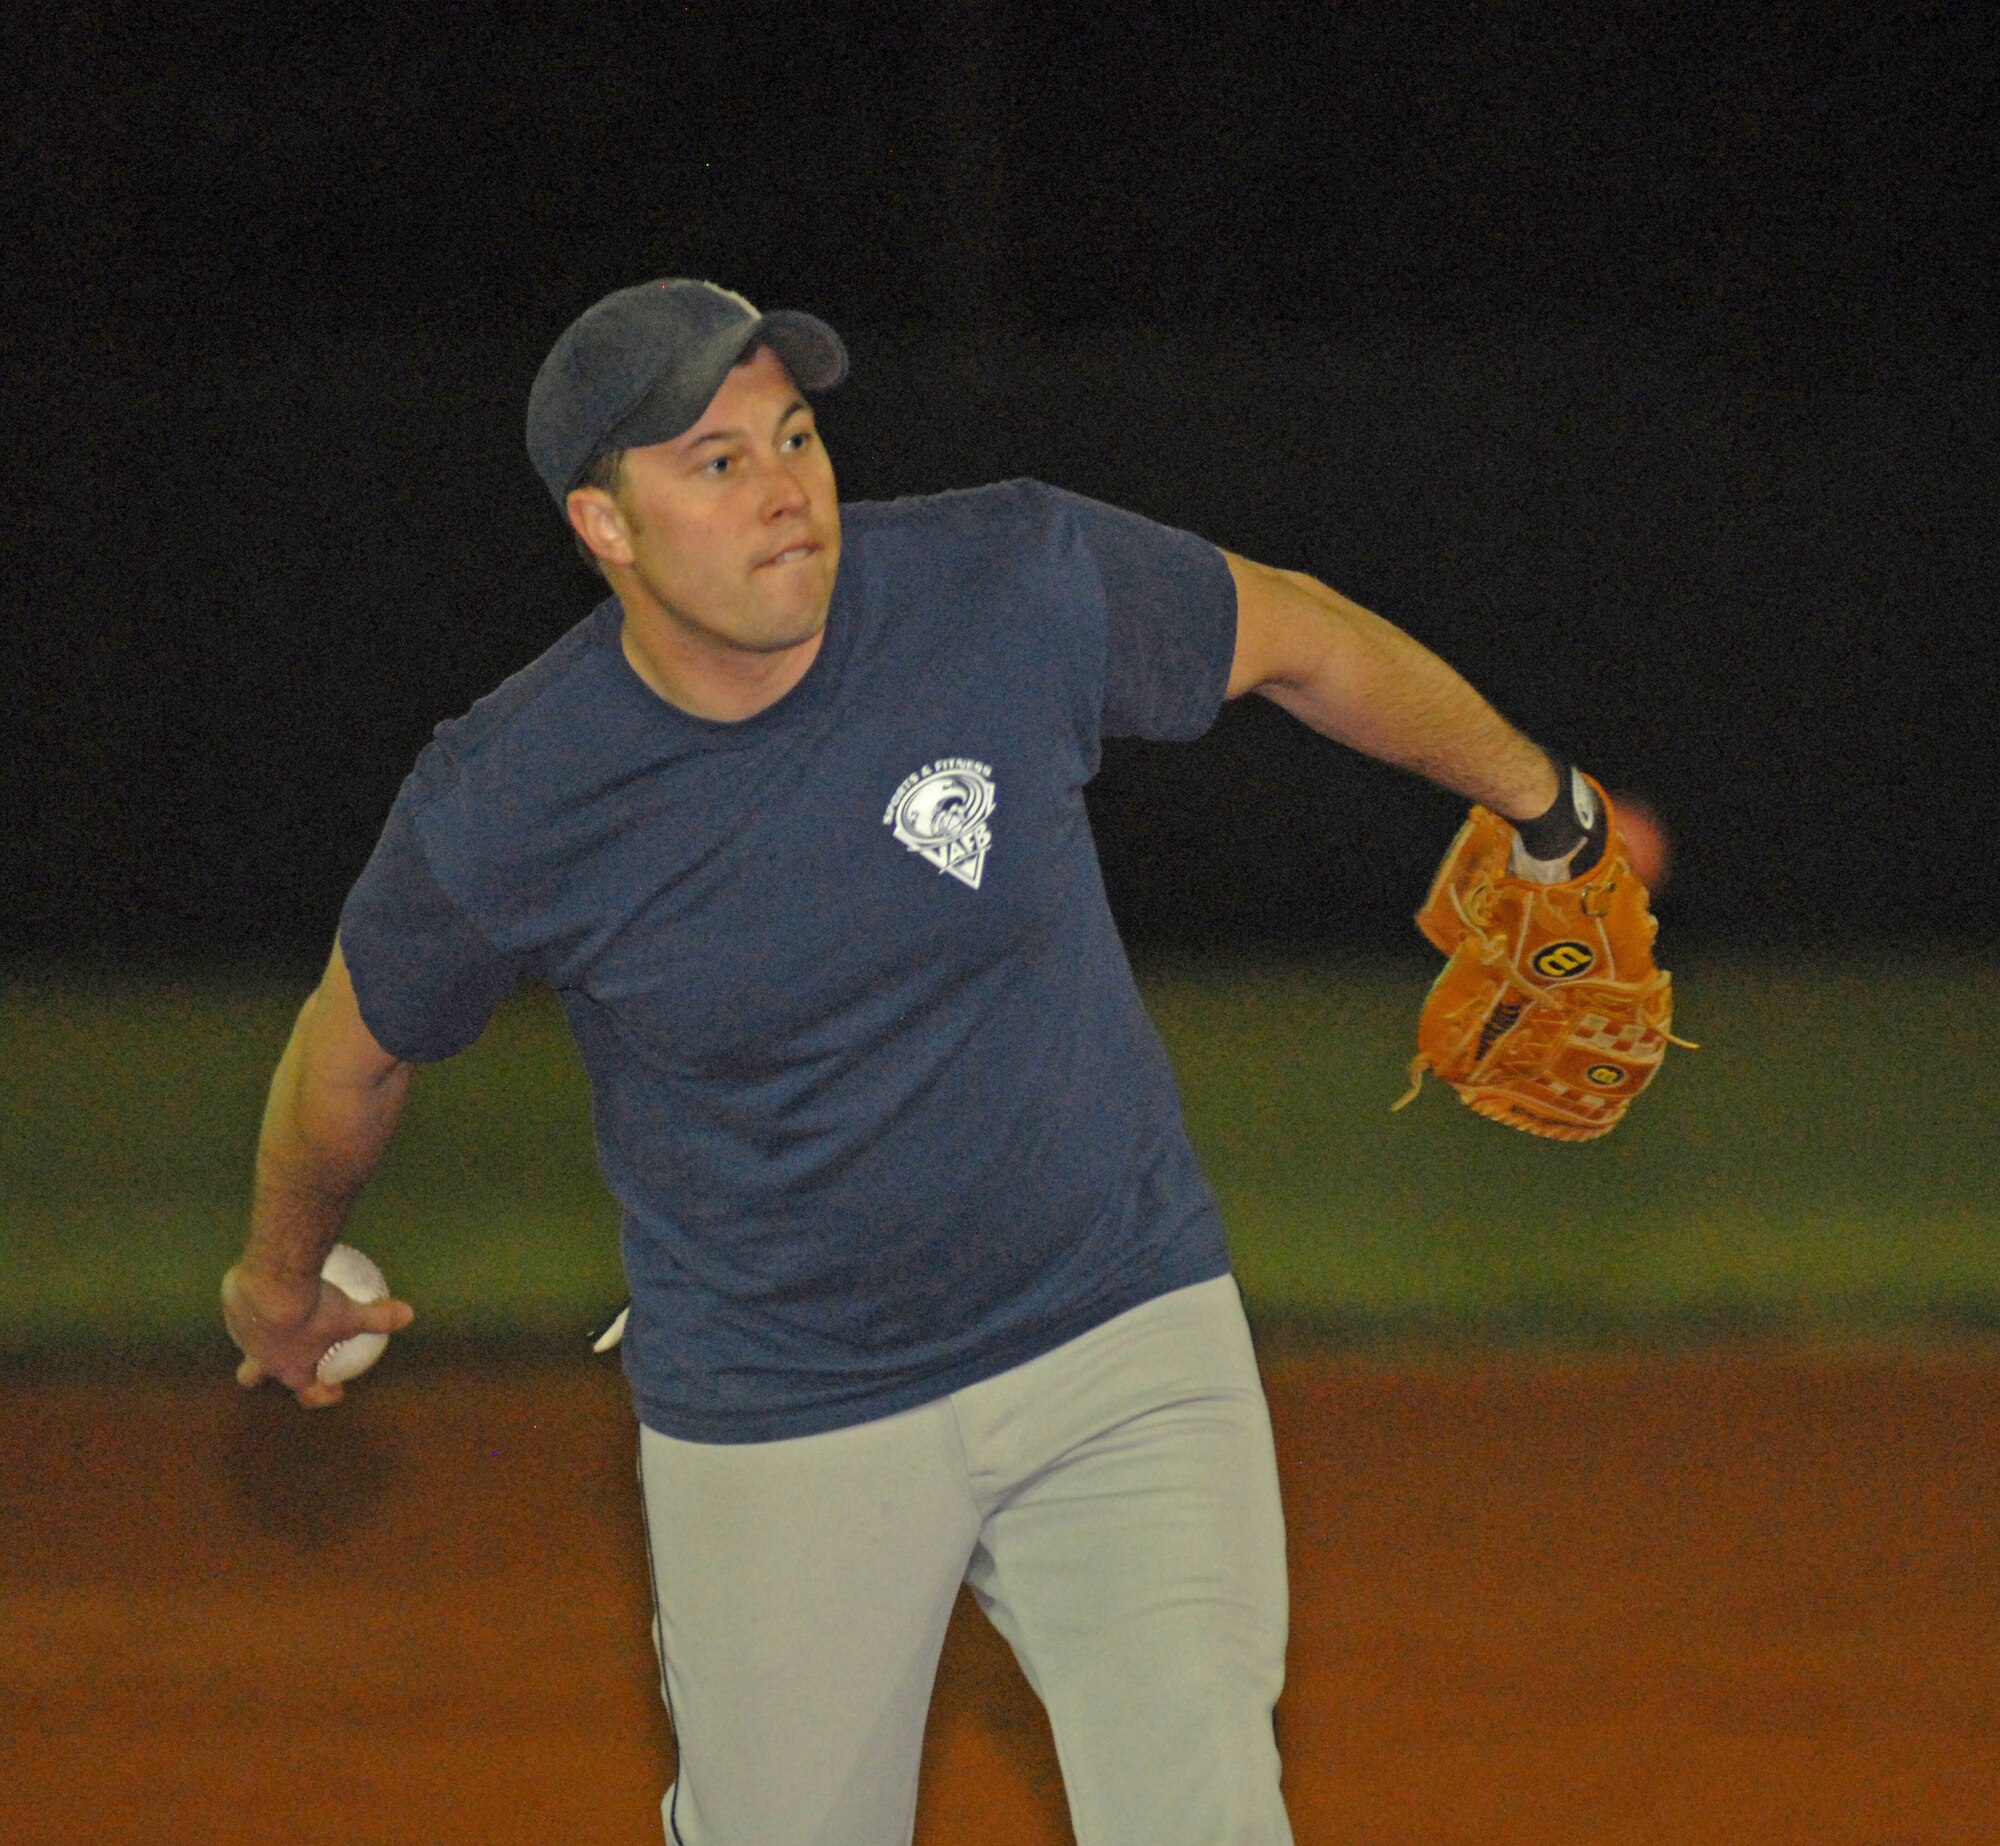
[1113,1506]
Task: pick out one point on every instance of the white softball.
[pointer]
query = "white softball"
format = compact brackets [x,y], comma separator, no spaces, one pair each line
[357,1277]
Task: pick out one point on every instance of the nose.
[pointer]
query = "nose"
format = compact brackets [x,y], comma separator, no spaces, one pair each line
[785,495]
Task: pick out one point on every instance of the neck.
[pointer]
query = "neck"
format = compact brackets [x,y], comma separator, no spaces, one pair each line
[710,681]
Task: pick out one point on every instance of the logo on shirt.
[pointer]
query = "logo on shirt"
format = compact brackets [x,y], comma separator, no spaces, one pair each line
[940,813]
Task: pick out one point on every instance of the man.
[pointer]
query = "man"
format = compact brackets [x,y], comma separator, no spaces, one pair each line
[926,1286]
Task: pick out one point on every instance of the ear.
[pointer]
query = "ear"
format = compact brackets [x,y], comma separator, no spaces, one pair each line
[595,517]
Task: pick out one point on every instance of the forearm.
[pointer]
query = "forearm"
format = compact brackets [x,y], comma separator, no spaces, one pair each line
[1354,677]
[324,1134]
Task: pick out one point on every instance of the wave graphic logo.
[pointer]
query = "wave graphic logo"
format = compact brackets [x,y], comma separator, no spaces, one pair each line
[941,814]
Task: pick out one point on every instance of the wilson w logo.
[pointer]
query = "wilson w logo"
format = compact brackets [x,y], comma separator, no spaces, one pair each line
[1560,961]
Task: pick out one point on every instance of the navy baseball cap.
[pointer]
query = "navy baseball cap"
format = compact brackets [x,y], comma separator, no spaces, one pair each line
[643,364]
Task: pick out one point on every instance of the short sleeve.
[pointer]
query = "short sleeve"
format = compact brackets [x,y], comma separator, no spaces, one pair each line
[1170,623]
[426,979]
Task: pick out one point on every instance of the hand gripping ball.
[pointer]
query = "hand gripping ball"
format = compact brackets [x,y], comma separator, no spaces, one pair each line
[357,1277]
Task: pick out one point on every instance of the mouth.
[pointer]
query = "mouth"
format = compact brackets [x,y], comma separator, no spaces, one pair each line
[792,554]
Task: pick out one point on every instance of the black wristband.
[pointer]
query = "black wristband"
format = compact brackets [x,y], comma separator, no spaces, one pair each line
[1576,818]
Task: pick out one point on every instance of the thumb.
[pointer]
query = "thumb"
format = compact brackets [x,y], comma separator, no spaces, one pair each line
[386,1316]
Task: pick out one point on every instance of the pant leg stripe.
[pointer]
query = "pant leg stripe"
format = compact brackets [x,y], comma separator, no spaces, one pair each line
[660,1630]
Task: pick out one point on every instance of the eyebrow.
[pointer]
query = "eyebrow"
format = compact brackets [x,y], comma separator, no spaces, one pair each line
[736,435]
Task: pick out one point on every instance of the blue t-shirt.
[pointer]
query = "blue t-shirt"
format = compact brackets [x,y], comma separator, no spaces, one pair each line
[871,1078]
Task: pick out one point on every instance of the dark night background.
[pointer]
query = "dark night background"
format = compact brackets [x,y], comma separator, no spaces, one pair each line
[1636,356]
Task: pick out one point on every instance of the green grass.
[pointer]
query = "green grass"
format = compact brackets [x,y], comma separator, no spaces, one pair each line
[1827,1163]
[128,1122]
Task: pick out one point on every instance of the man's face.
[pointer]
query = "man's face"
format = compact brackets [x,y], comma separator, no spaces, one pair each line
[732,529]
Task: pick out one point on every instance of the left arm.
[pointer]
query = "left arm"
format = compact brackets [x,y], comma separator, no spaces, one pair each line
[1364,682]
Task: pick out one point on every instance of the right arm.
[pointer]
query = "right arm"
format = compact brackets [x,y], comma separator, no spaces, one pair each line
[334,1102]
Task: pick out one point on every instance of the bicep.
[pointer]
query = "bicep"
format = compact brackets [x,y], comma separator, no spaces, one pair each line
[337,1093]
[1287,625]
[335,1041]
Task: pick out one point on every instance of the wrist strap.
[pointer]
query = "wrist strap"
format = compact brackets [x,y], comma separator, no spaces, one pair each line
[1568,839]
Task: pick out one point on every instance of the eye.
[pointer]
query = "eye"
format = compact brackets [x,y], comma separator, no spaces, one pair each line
[798,439]
[717,465]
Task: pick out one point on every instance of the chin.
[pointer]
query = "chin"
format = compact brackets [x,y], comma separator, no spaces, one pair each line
[775,636]
[810,631]
[793,627]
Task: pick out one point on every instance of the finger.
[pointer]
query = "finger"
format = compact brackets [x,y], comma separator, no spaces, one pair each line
[384,1316]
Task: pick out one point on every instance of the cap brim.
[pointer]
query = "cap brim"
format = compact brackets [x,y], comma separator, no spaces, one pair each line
[809,349]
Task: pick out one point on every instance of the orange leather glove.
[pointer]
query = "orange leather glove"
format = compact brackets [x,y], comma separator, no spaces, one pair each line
[1549,1015]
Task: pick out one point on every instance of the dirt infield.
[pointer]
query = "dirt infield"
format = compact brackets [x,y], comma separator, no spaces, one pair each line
[1743,1599]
